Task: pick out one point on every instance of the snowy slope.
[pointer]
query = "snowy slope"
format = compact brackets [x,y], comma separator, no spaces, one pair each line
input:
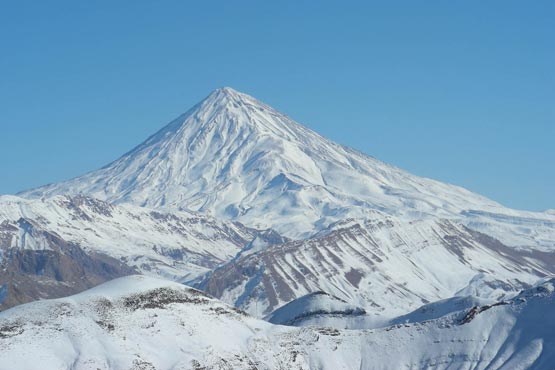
[512,334]
[55,247]
[384,265]
[324,310]
[176,244]
[232,156]
[310,306]
[145,323]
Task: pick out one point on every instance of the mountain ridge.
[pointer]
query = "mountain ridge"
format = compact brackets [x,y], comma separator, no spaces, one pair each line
[385,265]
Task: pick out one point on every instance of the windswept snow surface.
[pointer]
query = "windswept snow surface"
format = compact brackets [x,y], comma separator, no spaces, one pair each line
[232,156]
[145,323]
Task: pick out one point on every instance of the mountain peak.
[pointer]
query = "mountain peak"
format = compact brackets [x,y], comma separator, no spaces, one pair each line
[226,109]
[224,92]
[228,95]
[235,157]
[231,115]
[227,90]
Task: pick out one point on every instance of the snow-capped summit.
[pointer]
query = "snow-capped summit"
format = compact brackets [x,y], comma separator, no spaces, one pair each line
[232,156]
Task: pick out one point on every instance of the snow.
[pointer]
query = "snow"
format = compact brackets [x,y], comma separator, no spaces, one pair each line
[232,156]
[177,245]
[438,309]
[261,212]
[385,265]
[310,306]
[138,322]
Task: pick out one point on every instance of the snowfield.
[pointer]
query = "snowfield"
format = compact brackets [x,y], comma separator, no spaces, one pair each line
[145,323]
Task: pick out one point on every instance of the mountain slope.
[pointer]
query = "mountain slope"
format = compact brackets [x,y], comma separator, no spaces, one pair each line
[232,156]
[55,247]
[315,309]
[145,323]
[384,265]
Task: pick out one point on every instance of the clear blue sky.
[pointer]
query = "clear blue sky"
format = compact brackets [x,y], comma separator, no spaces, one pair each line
[460,91]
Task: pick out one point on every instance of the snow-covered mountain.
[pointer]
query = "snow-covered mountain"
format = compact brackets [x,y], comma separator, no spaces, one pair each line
[144,323]
[385,265]
[242,202]
[232,156]
[64,244]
